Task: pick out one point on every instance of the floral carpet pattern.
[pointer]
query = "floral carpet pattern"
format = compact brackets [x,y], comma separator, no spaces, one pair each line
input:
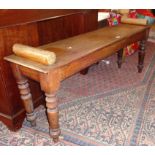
[108,106]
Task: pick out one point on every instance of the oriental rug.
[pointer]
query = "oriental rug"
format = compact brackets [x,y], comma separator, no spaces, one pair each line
[108,106]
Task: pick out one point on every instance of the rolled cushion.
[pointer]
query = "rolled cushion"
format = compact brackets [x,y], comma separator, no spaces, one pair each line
[35,54]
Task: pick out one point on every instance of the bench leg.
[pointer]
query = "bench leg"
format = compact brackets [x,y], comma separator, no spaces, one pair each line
[141,55]
[53,116]
[120,58]
[25,94]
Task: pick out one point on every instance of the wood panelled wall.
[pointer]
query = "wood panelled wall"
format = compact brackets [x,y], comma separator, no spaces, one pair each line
[33,27]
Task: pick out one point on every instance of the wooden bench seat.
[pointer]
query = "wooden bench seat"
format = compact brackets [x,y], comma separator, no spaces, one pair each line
[73,55]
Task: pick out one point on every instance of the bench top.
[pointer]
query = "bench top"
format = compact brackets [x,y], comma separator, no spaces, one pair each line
[74,48]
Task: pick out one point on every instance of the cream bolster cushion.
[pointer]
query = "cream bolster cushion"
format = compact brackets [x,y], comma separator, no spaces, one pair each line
[35,54]
[136,21]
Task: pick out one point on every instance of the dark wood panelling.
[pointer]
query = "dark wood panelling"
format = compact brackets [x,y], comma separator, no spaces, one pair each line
[90,20]
[50,30]
[11,17]
[19,34]
[70,25]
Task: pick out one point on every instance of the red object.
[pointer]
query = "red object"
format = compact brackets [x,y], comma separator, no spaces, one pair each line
[130,49]
[132,14]
[145,12]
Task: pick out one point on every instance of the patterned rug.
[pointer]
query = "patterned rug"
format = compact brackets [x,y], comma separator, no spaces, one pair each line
[108,106]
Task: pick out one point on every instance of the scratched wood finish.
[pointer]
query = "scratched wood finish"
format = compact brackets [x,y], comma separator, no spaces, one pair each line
[75,54]
[34,28]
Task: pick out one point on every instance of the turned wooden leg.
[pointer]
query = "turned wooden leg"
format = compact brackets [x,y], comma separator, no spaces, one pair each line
[27,101]
[25,94]
[141,55]
[53,116]
[120,58]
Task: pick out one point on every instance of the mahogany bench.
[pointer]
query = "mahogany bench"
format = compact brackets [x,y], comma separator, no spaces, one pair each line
[72,55]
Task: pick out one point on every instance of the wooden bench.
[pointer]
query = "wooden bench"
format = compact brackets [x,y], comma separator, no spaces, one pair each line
[72,55]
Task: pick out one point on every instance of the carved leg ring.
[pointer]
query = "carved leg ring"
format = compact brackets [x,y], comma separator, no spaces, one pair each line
[27,101]
[141,55]
[120,58]
[53,116]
